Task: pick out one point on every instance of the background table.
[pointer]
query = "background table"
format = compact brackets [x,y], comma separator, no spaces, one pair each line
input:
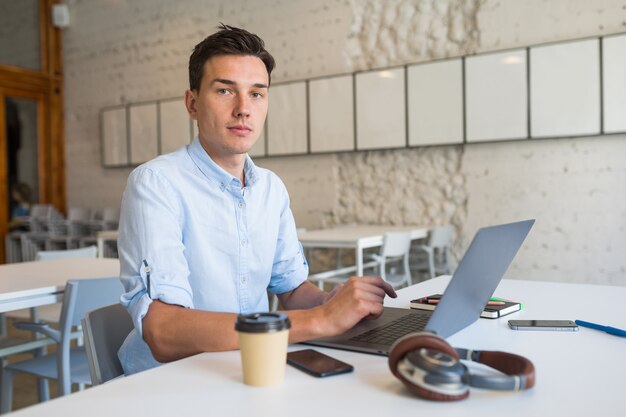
[578,373]
[32,284]
[355,237]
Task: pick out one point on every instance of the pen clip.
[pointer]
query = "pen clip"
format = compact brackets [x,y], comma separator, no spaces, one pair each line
[147,270]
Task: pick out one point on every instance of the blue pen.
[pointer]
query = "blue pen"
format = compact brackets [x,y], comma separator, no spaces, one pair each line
[610,330]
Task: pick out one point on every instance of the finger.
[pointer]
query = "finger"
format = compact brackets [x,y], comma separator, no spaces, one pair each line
[377,281]
[370,296]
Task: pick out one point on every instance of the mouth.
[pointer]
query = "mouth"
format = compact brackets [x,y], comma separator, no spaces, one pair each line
[240,130]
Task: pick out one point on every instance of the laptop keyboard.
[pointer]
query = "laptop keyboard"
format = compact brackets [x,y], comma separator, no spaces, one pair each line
[393,330]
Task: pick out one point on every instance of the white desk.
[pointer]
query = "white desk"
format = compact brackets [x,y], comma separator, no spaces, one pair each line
[577,373]
[32,284]
[355,237]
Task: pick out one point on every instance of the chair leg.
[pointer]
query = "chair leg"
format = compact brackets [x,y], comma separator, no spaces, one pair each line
[6,391]
[3,325]
[43,389]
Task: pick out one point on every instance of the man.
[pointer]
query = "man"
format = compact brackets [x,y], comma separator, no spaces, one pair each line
[204,233]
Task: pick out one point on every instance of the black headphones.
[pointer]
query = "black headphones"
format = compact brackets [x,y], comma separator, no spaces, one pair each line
[432,369]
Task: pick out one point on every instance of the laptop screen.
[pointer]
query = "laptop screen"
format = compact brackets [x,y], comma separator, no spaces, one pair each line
[486,260]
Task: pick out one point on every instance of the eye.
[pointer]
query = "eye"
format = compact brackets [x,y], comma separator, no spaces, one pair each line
[257,94]
[223,91]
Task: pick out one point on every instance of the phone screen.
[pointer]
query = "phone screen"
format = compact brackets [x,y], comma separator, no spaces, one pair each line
[543,325]
[316,363]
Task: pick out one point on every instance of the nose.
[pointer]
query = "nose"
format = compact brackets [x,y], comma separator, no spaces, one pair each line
[242,107]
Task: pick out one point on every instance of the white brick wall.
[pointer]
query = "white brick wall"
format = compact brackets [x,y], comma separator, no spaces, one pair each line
[126,51]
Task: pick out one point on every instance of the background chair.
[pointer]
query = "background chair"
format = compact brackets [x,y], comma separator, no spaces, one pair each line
[392,263]
[105,330]
[68,365]
[434,256]
[66,233]
[49,313]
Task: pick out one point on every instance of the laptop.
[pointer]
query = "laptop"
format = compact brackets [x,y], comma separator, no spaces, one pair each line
[486,260]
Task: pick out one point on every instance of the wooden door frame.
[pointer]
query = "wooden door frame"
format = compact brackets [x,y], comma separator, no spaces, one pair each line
[46,86]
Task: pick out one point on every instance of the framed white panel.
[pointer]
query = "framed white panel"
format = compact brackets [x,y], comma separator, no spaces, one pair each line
[614,83]
[175,129]
[380,109]
[114,137]
[565,89]
[287,120]
[143,132]
[259,147]
[331,110]
[496,96]
[435,102]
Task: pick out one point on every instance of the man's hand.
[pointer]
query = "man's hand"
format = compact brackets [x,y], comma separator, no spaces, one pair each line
[358,298]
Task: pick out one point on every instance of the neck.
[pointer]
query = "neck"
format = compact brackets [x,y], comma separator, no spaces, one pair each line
[231,163]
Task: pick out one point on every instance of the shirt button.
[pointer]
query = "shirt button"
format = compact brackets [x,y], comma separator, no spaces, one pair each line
[243,242]
[240,204]
[243,280]
[222,186]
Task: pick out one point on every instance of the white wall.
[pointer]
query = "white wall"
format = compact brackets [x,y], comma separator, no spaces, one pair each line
[126,51]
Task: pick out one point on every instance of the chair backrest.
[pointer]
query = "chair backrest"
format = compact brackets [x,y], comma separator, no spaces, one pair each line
[40,210]
[440,237]
[81,296]
[396,244]
[78,214]
[105,330]
[88,252]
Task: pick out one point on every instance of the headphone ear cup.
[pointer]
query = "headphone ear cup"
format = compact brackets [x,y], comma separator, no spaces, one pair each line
[416,341]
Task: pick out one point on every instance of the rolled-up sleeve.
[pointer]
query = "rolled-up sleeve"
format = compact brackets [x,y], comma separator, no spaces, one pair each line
[290,268]
[150,243]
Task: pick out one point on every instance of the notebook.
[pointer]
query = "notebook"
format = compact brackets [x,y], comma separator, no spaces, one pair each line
[502,308]
[486,260]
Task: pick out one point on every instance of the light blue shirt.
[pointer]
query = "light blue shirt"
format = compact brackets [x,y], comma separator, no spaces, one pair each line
[203,240]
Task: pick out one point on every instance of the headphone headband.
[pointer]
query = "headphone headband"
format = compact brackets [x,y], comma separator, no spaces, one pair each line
[434,382]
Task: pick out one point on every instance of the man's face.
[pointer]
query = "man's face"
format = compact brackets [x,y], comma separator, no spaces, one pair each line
[231,105]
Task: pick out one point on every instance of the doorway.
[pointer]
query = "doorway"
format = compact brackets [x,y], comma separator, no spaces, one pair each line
[31,125]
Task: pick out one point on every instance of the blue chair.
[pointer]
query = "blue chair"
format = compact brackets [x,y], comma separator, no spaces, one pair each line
[67,365]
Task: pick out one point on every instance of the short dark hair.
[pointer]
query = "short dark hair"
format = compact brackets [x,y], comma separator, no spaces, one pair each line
[228,40]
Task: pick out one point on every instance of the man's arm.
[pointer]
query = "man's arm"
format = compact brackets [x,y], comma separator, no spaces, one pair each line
[173,332]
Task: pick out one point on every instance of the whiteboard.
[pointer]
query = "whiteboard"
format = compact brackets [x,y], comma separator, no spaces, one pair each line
[614,83]
[435,102]
[287,131]
[496,96]
[114,137]
[174,125]
[565,89]
[380,109]
[331,110]
[143,132]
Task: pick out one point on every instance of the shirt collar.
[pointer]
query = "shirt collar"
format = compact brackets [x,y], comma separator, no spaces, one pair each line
[216,173]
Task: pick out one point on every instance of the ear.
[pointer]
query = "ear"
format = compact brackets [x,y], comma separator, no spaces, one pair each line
[191,101]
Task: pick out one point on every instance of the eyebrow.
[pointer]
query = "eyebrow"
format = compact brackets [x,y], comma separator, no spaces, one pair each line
[230,82]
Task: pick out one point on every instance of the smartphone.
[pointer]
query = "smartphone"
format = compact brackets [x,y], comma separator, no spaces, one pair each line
[559,325]
[317,364]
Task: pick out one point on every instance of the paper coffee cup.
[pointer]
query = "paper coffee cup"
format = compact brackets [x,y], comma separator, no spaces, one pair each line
[263,340]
